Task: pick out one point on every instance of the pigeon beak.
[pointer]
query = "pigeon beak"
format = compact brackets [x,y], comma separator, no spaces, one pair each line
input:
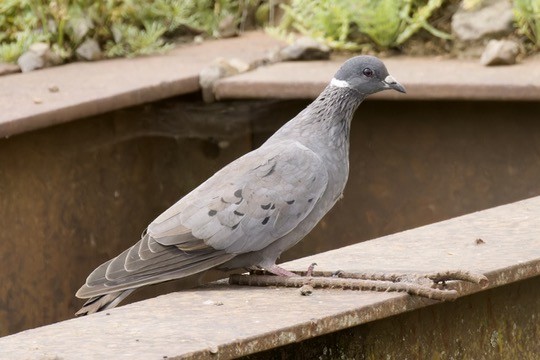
[391,83]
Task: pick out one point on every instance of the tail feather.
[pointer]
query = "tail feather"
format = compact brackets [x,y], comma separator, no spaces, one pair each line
[103,302]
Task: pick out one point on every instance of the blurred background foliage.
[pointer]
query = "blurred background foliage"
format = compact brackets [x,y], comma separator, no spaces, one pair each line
[136,27]
[527,15]
[353,24]
[121,27]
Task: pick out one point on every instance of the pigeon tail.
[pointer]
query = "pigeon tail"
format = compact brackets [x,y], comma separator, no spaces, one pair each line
[103,302]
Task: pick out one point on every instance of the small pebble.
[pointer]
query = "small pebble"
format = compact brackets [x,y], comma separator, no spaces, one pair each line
[198,39]
[304,48]
[500,52]
[212,302]
[54,88]
[37,100]
[479,241]
[306,290]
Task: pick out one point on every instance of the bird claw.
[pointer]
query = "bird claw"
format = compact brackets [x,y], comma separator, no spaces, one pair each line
[310,268]
[337,273]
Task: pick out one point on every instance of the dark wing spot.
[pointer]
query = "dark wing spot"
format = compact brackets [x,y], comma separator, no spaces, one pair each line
[273,207]
[235,226]
[212,212]
[238,213]
[238,193]
[266,207]
[290,202]
[271,170]
[310,200]
[265,221]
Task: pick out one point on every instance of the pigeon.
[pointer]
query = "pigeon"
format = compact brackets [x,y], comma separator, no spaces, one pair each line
[256,207]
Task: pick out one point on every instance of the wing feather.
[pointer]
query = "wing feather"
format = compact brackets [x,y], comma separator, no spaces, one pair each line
[246,207]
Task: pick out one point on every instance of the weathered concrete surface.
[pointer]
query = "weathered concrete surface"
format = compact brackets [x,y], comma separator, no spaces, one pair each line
[424,78]
[500,323]
[89,88]
[221,322]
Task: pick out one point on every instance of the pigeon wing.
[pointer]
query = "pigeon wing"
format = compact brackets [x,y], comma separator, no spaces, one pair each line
[248,205]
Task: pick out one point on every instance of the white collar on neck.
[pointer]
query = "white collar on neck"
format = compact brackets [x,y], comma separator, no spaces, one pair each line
[339,83]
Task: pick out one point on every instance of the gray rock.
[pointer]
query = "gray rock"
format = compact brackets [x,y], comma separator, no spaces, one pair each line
[491,18]
[220,69]
[304,48]
[89,50]
[207,78]
[39,55]
[238,66]
[30,61]
[198,39]
[500,52]
[227,27]
[7,68]
[40,48]
[80,26]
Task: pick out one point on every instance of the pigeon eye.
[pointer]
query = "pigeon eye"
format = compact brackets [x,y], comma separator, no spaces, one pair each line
[368,72]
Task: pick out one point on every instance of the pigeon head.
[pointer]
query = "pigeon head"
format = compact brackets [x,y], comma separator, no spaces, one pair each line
[365,74]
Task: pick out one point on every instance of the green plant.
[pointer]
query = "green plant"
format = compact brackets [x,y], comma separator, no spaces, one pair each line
[121,27]
[527,16]
[350,24]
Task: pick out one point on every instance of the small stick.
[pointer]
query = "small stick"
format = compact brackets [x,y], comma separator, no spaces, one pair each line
[347,283]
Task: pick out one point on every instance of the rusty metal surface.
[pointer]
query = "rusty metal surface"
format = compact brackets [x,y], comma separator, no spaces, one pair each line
[220,322]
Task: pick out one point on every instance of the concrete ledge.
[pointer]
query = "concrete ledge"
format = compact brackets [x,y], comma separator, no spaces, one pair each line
[87,89]
[220,321]
[424,78]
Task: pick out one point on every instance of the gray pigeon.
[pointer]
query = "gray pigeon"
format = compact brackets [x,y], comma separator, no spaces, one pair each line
[249,212]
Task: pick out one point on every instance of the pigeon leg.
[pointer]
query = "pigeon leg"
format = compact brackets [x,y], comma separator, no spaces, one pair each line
[279,271]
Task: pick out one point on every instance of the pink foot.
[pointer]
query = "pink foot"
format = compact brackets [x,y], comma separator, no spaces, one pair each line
[279,271]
